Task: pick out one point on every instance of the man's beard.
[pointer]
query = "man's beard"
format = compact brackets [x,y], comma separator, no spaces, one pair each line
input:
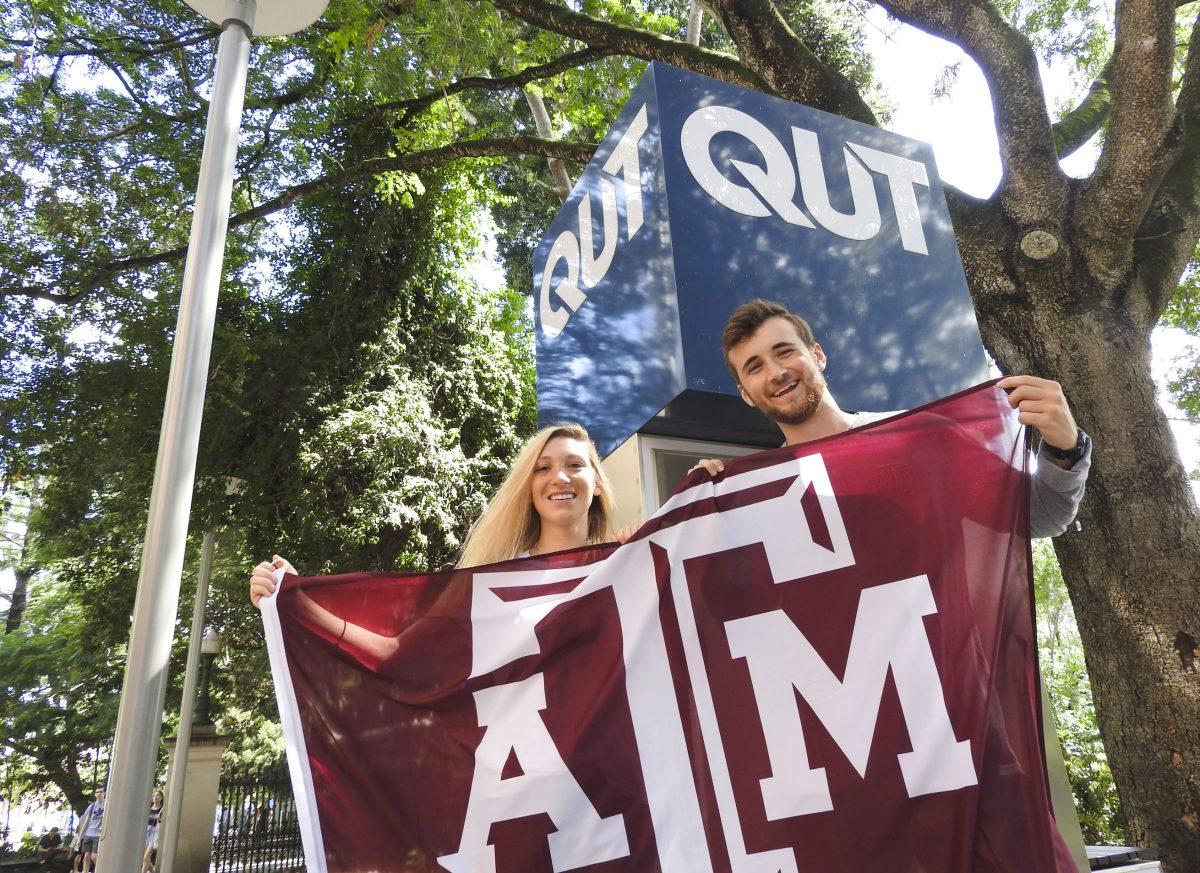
[798,414]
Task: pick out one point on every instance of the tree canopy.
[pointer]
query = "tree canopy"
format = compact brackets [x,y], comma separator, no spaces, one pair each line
[365,396]
[368,394]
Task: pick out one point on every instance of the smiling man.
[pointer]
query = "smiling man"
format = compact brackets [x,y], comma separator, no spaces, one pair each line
[779,369]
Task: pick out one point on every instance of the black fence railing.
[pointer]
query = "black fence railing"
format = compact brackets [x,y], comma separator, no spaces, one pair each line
[257,829]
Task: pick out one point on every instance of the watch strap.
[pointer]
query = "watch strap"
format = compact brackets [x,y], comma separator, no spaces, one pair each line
[1073,454]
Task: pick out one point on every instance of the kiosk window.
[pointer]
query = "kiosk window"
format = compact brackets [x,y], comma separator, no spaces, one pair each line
[671,466]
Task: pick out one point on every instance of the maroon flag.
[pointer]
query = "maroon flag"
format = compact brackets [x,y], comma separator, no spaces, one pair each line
[822,660]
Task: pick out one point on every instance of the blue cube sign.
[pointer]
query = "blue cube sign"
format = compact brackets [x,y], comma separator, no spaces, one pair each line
[704,195]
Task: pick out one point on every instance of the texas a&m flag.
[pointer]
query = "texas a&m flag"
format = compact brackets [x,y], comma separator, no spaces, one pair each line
[822,660]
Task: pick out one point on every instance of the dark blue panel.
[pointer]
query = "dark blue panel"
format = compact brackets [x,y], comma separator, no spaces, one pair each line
[897,323]
[618,359]
[746,195]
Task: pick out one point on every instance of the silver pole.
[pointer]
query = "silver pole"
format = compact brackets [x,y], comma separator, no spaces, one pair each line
[139,718]
[168,842]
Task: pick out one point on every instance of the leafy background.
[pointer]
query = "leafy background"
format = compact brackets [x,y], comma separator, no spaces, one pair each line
[367,390]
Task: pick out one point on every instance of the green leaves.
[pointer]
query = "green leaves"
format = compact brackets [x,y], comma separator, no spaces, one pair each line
[58,691]
[1060,655]
[1183,312]
[1077,32]
[366,393]
[399,187]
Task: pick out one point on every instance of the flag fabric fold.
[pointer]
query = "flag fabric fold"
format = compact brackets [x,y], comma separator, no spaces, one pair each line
[823,659]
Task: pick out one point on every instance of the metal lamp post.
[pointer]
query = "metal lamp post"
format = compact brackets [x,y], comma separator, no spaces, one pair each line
[169,825]
[177,777]
[211,646]
[135,748]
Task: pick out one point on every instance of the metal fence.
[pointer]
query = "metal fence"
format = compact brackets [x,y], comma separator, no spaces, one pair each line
[257,830]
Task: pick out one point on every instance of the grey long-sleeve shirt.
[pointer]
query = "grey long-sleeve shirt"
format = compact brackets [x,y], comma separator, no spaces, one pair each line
[1054,494]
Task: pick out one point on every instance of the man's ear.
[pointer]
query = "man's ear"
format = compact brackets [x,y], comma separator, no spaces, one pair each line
[818,354]
[745,396]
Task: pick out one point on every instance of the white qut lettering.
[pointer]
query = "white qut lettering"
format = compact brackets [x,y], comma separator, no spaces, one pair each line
[595,266]
[863,222]
[565,248]
[776,185]
[514,727]
[903,176]
[889,633]
[772,190]
[583,264]
[625,163]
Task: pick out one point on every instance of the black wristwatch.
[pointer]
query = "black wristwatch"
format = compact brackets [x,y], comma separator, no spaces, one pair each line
[1082,442]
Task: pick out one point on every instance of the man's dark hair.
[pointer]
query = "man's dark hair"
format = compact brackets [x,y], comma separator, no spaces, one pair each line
[749,317]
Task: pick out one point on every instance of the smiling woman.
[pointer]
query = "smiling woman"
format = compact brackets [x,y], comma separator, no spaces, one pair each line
[555,497]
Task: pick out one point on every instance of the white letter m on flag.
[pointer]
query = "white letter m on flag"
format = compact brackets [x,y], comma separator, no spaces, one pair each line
[888,633]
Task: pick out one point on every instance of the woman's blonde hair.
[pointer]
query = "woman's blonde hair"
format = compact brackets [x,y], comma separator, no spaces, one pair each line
[510,525]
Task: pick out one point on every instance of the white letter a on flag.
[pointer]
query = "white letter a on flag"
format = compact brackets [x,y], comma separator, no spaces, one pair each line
[514,727]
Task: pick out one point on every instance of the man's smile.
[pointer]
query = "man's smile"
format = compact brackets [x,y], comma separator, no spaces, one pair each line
[786,389]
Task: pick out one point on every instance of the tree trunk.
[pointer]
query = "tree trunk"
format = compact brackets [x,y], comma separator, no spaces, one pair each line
[19,596]
[71,785]
[64,774]
[541,120]
[1132,572]
[23,574]
[1132,563]
[695,23]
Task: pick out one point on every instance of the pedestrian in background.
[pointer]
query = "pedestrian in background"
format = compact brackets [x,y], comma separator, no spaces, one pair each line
[156,809]
[89,832]
[49,847]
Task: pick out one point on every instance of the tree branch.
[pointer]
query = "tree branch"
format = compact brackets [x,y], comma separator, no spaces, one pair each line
[1033,189]
[1081,123]
[413,105]
[255,158]
[74,47]
[632,41]
[141,101]
[111,136]
[541,120]
[497,147]
[1167,237]
[273,103]
[30,751]
[1139,147]
[768,46]
[293,95]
